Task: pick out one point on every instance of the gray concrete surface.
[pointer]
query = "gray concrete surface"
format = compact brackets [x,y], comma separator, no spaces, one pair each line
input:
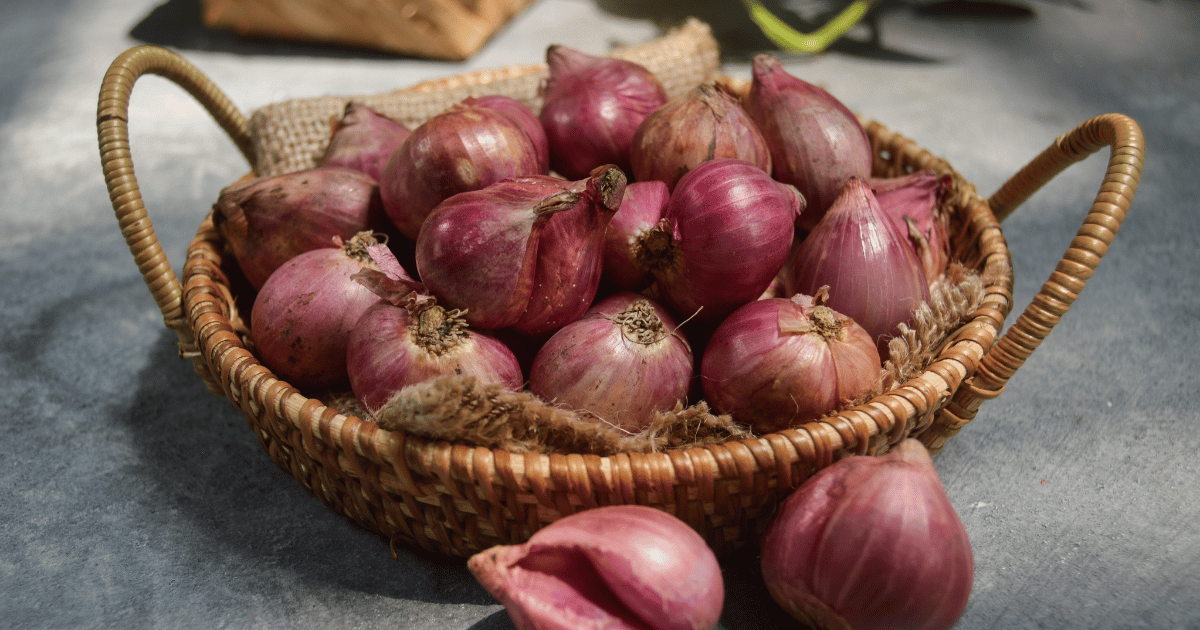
[130,497]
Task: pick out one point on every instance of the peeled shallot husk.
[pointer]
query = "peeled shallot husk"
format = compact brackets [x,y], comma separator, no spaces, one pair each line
[914,202]
[269,220]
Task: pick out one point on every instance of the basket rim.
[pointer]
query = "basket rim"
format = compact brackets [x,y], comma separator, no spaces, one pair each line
[867,428]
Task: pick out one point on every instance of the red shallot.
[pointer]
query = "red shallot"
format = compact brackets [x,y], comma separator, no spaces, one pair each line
[363,139]
[268,220]
[816,142]
[874,275]
[871,543]
[777,363]
[640,211]
[618,567]
[725,233]
[702,124]
[466,147]
[523,116]
[302,317]
[525,252]
[592,107]
[407,339]
[622,361]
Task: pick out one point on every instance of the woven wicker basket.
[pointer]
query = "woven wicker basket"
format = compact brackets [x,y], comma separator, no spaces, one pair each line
[458,499]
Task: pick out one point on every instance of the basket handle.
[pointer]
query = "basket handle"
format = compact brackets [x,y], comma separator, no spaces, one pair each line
[112,123]
[1002,360]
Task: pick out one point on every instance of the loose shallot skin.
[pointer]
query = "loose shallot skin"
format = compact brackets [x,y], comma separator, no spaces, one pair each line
[625,567]
[816,142]
[870,543]
[622,361]
[268,220]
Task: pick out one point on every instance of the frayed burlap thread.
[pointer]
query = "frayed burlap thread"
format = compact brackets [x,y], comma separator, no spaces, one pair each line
[462,410]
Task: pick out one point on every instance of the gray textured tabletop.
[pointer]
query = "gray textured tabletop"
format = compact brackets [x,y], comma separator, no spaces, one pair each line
[131,497]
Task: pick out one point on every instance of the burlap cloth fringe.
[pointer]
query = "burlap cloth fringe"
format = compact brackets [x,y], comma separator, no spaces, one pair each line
[292,135]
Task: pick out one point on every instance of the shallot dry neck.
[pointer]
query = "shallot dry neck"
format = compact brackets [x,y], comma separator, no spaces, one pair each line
[437,330]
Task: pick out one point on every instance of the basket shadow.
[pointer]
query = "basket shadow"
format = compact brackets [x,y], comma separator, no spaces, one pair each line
[211,473]
[177,24]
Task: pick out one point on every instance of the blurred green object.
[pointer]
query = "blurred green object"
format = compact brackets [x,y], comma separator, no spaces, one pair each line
[791,40]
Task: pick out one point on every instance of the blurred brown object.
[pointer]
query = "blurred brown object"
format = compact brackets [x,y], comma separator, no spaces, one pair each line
[436,29]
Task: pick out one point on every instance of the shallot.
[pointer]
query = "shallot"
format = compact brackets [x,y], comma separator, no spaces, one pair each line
[622,361]
[268,220]
[407,339]
[725,233]
[870,543]
[914,203]
[528,121]
[363,139]
[816,142]
[640,211]
[302,317]
[702,124]
[874,275]
[464,148]
[776,363]
[619,567]
[525,252]
[592,107]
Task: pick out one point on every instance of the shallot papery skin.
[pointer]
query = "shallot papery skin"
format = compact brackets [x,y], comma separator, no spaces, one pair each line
[640,211]
[302,317]
[523,116]
[871,543]
[622,361]
[592,106]
[467,147]
[363,139]
[625,567]
[725,233]
[873,273]
[776,363]
[268,220]
[914,203]
[524,253]
[702,124]
[816,142]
